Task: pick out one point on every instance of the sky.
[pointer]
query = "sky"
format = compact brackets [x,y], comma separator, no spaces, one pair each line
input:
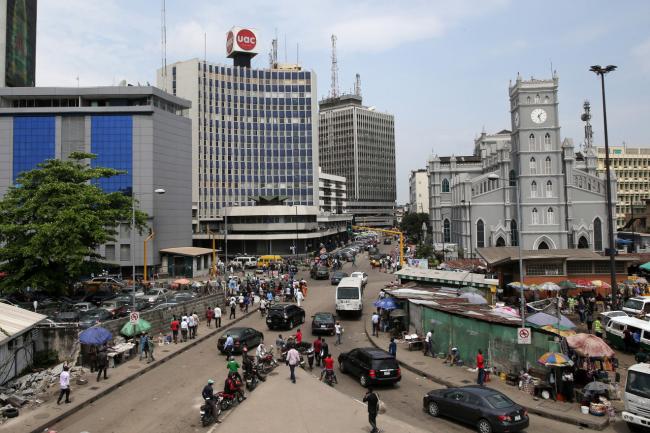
[442,68]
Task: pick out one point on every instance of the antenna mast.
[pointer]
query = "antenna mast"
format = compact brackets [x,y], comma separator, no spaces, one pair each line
[334,90]
[163,43]
[357,86]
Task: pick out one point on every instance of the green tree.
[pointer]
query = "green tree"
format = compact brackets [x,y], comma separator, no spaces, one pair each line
[412,225]
[54,219]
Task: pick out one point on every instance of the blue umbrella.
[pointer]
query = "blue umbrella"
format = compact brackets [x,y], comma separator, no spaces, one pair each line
[95,336]
[386,304]
[623,241]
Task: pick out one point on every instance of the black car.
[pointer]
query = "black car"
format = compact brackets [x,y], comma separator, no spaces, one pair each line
[284,315]
[67,317]
[336,277]
[319,273]
[322,323]
[241,336]
[93,317]
[183,296]
[98,297]
[486,408]
[371,366]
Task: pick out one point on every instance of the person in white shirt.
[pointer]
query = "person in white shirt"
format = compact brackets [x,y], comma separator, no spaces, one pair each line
[338,329]
[427,343]
[293,359]
[217,317]
[184,328]
[375,324]
[190,326]
[64,383]
[195,319]
[260,351]
[299,297]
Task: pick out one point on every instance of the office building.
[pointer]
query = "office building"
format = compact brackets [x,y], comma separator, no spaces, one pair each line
[358,143]
[18,43]
[419,191]
[332,193]
[473,199]
[141,130]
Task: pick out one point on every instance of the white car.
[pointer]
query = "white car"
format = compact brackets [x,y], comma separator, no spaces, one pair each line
[362,275]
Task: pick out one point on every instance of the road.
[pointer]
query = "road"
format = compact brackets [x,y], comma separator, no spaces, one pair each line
[167,399]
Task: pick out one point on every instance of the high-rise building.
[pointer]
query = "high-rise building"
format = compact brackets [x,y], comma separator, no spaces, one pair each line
[358,143]
[141,130]
[17,43]
[419,191]
[332,193]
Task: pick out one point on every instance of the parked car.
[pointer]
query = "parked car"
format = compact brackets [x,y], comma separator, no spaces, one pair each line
[116,307]
[319,272]
[92,317]
[162,305]
[362,275]
[113,281]
[336,277]
[183,296]
[284,315]
[371,366]
[98,298]
[140,303]
[83,306]
[155,295]
[322,323]
[67,317]
[139,292]
[483,407]
[241,336]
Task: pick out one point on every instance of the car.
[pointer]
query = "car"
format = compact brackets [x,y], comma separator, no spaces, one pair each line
[183,296]
[607,316]
[163,305]
[241,336]
[336,277]
[67,317]
[376,256]
[97,298]
[113,281]
[155,295]
[362,275]
[140,304]
[92,317]
[83,306]
[371,366]
[319,272]
[284,315]
[116,307]
[373,250]
[323,323]
[139,293]
[387,241]
[483,407]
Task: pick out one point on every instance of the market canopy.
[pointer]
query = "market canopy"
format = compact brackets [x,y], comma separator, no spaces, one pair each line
[95,336]
[386,303]
[541,319]
[130,329]
[589,345]
[645,266]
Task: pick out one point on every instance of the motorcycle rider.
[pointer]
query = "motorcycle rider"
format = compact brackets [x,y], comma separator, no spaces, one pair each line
[233,386]
[211,399]
[262,307]
[328,363]
[248,367]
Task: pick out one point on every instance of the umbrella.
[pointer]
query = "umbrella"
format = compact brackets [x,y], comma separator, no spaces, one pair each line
[641,280]
[585,284]
[95,336]
[130,329]
[386,303]
[645,266]
[549,286]
[560,332]
[182,281]
[624,241]
[590,346]
[517,285]
[567,284]
[596,387]
[599,283]
[474,298]
[505,311]
[542,319]
[554,359]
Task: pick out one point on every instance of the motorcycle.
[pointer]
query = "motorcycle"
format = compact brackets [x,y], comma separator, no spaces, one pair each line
[267,362]
[310,358]
[252,378]
[207,415]
[230,400]
[329,378]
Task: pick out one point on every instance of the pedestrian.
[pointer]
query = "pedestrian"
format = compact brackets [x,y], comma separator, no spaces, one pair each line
[480,364]
[229,345]
[64,384]
[375,324]
[35,305]
[598,328]
[102,363]
[209,314]
[195,318]
[175,326]
[190,326]
[184,328]
[589,319]
[233,309]
[318,346]
[217,317]
[299,297]
[247,301]
[298,336]
[372,400]
[151,347]
[392,347]
[324,349]
[427,343]
[293,359]
[338,330]
[144,346]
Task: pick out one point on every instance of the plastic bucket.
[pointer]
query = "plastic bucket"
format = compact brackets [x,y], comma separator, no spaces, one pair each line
[584,410]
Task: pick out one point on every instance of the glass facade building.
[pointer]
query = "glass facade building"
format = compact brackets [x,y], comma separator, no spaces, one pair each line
[111,139]
[33,142]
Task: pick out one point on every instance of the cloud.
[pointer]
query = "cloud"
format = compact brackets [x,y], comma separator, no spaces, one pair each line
[641,54]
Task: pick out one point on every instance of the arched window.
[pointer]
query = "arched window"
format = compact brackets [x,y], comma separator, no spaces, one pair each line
[546,99]
[445,185]
[547,165]
[514,235]
[549,189]
[501,242]
[547,141]
[535,217]
[583,242]
[528,99]
[533,189]
[550,216]
[533,166]
[480,234]
[531,142]
[543,246]
[446,231]
[537,99]
[598,235]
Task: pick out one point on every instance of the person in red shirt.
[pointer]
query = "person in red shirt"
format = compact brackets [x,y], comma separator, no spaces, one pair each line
[298,336]
[209,315]
[175,325]
[328,363]
[317,348]
[480,364]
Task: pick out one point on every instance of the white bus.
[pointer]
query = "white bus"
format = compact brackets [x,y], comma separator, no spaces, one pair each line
[349,295]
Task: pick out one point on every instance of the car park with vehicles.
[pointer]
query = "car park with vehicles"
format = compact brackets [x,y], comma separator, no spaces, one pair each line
[284,316]
[67,317]
[371,366]
[319,273]
[183,296]
[83,306]
[242,336]
[485,408]
[337,276]
[163,305]
[323,323]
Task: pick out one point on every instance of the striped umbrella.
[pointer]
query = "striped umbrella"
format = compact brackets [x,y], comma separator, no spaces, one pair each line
[554,359]
[517,285]
[600,283]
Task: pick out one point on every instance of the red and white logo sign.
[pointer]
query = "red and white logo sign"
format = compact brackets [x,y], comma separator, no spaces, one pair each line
[246,39]
[134,317]
[230,40]
[524,336]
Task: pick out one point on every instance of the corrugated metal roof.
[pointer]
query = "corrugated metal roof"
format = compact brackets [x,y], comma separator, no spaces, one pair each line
[495,255]
[15,320]
[463,278]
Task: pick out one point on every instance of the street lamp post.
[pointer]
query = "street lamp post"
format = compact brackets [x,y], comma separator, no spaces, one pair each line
[599,70]
[133,194]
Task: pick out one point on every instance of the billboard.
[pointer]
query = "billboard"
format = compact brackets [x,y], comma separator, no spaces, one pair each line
[241,40]
[20,53]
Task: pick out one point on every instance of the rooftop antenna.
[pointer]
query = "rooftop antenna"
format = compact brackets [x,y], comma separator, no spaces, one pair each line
[273,56]
[163,44]
[357,86]
[334,89]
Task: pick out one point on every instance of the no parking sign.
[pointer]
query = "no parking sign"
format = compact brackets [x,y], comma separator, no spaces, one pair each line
[524,336]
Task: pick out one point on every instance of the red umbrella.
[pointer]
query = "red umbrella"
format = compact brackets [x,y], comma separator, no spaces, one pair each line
[590,345]
[583,284]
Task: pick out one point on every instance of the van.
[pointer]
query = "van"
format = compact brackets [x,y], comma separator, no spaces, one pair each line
[637,306]
[246,262]
[267,260]
[614,331]
[349,295]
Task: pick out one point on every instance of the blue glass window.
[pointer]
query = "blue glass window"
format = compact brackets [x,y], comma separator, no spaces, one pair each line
[34,142]
[111,139]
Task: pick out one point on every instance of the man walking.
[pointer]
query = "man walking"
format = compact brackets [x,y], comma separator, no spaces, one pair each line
[480,364]
[195,319]
[102,363]
[184,328]
[392,347]
[338,330]
[64,383]
[217,317]
[317,348]
[427,343]
[209,314]
[375,324]
[293,359]
[233,309]
[229,345]
[299,297]
[175,325]
[372,400]
[144,346]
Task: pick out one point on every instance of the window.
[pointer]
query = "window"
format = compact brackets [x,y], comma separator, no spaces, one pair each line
[598,235]
[550,216]
[533,166]
[111,139]
[583,243]
[514,235]
[535,217]
[543,246]
[537,99]
[528,99]
[33,142]
[446,231]
[546,99]
[109,253]
[531,142]
[573,268]
[512,177]
[536,268]
[445,185]
[549,189]
[533,189]
[500,242]
[480,234]
[547,141]
[125,252]
[547,165]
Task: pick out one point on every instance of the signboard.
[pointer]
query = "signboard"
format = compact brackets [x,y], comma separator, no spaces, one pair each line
[134,317]
[524,336]
[241,40]
[20,54]
[419,263]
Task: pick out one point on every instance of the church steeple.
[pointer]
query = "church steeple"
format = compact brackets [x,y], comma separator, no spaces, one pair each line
[590,156]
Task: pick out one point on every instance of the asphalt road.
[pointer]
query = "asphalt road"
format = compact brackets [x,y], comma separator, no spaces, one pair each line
[167,399]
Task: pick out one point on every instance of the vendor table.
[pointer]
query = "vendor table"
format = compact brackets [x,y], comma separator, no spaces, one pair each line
[119,353]
[415,344]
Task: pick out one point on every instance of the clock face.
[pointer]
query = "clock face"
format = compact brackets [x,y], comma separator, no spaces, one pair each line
[516,118]
[538,115]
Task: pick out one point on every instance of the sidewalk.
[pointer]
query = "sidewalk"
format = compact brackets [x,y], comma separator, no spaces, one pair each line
[37,419]
[437,371]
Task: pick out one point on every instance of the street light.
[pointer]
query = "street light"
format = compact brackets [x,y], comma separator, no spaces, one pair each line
[133,194]
[599,70]
[520,226]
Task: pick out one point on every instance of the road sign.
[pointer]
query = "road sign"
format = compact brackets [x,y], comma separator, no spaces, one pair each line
[524,336]
[134,317]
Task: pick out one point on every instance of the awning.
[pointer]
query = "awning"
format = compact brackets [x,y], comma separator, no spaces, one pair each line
[187,251]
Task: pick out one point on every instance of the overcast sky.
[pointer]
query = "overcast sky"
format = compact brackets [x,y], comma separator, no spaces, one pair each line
[441,67]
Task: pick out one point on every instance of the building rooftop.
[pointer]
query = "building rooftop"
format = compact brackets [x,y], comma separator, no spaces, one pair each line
[187,251]
[15,321]
[497,255]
